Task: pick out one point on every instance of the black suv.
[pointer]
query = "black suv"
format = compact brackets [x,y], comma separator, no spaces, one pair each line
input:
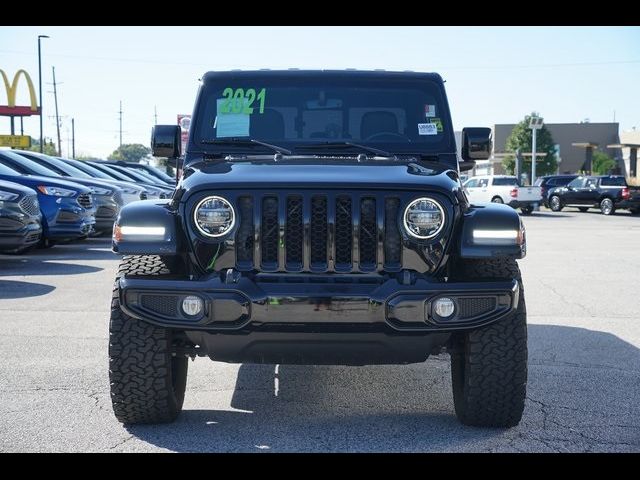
[319,219]
[607,192]
[548,182]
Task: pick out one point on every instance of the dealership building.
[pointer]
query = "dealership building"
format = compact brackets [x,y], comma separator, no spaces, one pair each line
[575,143]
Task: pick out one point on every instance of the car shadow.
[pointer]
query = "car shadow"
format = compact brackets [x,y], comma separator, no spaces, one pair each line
[546,215]
[32,265]
[572,374]
[16,289]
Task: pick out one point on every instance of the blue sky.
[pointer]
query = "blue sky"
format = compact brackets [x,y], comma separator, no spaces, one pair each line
[493,74]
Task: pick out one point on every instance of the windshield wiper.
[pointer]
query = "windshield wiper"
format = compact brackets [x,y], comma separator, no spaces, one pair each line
[248,142]
[366,148]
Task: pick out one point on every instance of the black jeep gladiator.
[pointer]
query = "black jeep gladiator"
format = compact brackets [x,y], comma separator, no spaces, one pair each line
[319,219]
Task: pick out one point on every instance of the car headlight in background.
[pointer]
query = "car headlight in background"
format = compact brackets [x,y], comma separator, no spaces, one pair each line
[7,196]
[56,191]
[423,218]
[214,216]
[101,191]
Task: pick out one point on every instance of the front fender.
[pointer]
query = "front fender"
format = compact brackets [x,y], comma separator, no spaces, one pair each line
[146,227]
[491,231]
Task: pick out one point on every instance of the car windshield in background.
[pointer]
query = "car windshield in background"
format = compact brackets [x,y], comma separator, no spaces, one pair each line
[29,166]
[396,116]
[506,181]
[5,170]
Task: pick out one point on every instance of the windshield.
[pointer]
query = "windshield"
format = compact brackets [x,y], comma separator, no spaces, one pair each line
[396,114]
[94,172]
[5,170]
[131,174]
[112,173]
[28,166]
[69,169]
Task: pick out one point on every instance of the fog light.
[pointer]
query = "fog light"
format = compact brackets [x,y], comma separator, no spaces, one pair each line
[192,305]
[444,307]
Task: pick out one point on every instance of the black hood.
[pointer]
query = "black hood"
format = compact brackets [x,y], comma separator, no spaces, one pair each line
[308,174]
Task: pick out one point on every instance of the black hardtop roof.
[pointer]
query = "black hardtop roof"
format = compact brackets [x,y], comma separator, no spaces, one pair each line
[377,74]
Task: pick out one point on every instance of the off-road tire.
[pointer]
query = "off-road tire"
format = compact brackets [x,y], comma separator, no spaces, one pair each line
[147,382]
[634,211]
[489,364]
[497,199]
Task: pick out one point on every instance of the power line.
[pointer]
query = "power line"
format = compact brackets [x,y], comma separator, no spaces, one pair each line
[442,67]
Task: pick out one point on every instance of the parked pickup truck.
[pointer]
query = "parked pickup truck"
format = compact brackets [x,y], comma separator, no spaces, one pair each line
[608,193]
[502,189]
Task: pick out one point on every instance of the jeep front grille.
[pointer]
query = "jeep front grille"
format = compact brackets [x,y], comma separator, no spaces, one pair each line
[318,233]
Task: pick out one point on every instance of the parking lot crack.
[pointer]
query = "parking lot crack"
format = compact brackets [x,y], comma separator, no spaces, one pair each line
[121,442]
[564,300]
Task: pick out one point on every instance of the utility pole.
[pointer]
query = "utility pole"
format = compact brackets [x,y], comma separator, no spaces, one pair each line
[120,112]
[535,123]
[55,97]
[155,115]
[73,138]
[40,89]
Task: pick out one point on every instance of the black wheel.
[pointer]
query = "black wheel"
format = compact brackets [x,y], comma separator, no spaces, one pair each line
[634,211]
[526,210]
[554,203]
[147,381]
[489,364]
[607,207]
[496,200]
[583,209]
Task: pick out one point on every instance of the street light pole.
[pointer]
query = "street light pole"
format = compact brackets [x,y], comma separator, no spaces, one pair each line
[535,123]
[40,87]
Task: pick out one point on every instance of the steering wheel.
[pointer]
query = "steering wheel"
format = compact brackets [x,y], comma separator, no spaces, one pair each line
[387,134]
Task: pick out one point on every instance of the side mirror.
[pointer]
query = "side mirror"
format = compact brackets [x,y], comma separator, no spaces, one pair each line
[166,142]
[476,145]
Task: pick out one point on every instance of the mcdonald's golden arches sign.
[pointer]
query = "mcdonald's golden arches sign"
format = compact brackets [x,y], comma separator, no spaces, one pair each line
[11,109]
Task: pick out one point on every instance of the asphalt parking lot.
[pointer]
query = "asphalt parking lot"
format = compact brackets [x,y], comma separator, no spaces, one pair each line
[582,283]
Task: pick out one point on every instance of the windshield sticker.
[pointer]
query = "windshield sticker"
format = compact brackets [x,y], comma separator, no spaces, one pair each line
[429,111]
[231,124]
[242,101]
[437,122]
[427,129]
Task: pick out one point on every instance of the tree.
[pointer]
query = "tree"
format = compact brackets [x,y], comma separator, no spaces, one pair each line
[49,148]
[602,164]
[521,137]
[130,152]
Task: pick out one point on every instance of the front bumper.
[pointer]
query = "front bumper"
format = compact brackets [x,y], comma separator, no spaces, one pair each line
[18,233]
[282,301]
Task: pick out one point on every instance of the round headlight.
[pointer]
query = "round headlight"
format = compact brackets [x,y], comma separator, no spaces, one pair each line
[214,216]
[423,218]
